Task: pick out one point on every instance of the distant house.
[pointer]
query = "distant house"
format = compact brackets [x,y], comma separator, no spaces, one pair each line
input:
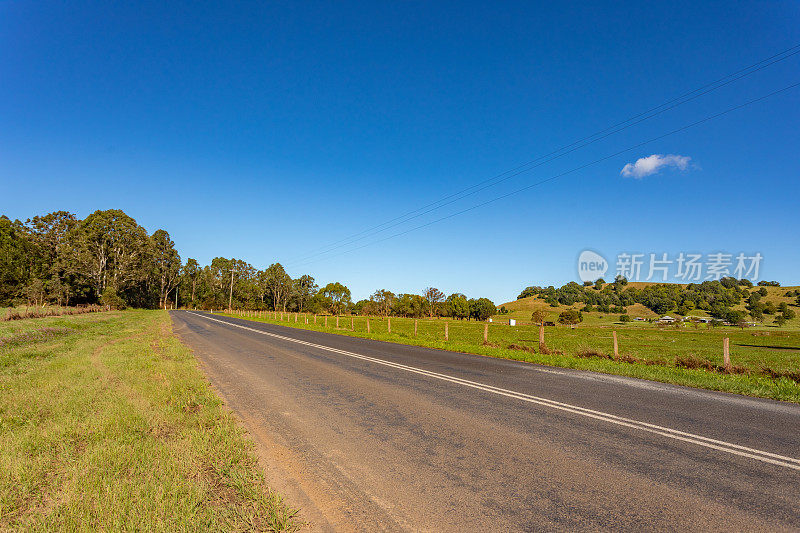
[700,319]
[666,319]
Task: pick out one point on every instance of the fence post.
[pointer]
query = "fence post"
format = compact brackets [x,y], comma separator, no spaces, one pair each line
[337,321]
[367,324]
[389,324]
[352,323]
[415,327]
[447,331]
[315,320]
[486,332]
[616,346]
[326,321]
[541,335]
[295,318]
[726,353]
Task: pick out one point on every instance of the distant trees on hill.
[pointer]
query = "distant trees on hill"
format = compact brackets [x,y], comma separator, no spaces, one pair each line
[717,298]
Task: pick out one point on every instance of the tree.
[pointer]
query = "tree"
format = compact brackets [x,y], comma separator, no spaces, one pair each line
[305,288]
[734,316]
[111,249]
[383,301]
[528,291]
[35,292]
[780,320]
[482,308]
[336,297]
[279,284]
[16,247]
[111,299]
[570,317]
[166,262]
[788,314]
[191,273]
[49,233]
[457,306]
[434,296]
[538,316]
[624,318]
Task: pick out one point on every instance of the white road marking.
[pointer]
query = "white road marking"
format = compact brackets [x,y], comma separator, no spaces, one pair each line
[735,449]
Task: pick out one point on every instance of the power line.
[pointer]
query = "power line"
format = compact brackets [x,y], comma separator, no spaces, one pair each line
[562,174]
[551,156]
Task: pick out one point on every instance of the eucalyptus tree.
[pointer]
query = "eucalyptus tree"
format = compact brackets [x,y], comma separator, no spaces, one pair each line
[166,263]
[280,285]
[305,288]
[110,249]
[384,300]
[433,296]
[336,297]
[191,275]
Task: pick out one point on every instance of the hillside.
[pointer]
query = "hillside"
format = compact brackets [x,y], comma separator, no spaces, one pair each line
[522,308]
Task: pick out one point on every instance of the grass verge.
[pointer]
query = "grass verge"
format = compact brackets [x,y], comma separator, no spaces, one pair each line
[107,423]
[762,361]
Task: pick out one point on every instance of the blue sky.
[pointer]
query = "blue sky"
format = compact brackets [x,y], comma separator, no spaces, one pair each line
[267,132]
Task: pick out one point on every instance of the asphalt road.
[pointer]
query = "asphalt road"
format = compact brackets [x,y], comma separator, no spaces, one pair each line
[368,436]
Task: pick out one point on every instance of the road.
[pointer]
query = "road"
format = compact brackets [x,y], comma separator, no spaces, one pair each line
[365,435]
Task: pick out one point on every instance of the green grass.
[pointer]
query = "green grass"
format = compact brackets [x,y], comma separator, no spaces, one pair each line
[107,423]
[657,349]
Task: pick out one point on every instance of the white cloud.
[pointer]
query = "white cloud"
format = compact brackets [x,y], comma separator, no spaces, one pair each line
[645,166]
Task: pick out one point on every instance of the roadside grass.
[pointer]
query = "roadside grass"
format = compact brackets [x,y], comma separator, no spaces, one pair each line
[26,312]
[107,423]
[763,360]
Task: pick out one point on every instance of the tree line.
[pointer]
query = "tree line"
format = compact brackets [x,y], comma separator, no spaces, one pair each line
[108,258]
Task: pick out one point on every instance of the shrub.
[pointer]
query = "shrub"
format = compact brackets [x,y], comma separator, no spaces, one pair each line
[111,299]
[570,316]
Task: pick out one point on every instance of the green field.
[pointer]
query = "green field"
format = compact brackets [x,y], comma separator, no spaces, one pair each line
[757,354]
[107,423]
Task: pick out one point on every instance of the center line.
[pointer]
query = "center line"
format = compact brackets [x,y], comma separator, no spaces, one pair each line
[735,449]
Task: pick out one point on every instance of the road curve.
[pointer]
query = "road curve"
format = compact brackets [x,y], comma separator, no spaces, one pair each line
[368,436]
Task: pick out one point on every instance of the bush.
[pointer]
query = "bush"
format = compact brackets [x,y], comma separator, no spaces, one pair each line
[570,317]
[111,299]
[735,316]
[624,318]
